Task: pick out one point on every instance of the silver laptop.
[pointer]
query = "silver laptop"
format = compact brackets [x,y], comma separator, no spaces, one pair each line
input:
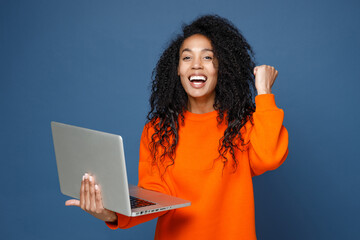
[80,150]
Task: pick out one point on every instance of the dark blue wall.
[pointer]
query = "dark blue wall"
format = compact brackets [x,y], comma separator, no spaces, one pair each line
[89,63]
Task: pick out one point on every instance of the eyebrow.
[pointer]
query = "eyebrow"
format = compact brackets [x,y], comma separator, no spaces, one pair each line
[203,50]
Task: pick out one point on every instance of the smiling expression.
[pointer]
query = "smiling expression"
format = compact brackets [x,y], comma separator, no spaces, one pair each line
[198,69]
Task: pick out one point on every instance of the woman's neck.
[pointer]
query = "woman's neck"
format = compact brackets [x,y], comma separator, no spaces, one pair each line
[198,106]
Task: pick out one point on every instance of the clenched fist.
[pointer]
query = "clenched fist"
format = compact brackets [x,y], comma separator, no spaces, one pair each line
[264,78]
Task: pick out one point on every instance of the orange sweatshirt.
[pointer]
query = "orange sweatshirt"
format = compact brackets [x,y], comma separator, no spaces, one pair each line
[222,202]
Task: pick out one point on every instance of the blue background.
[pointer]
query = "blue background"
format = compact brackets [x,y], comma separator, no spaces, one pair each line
[89,63]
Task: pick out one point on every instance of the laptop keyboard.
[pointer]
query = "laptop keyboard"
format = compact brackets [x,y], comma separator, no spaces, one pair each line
[138,203]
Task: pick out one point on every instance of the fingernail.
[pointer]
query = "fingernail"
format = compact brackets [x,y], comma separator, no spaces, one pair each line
[96,187]
[86,176]
[90,178]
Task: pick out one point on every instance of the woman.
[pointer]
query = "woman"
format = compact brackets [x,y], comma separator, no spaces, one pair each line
[204,139]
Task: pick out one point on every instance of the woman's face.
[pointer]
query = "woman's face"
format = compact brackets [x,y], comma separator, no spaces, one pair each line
[198,69]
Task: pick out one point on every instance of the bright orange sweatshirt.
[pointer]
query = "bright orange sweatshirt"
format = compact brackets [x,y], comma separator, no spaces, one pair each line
[222,202]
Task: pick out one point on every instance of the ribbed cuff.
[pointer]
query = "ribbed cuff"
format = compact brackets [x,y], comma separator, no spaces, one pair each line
[122,221]
[265,102]
[112,225]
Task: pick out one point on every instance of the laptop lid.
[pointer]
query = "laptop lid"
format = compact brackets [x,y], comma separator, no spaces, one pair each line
[79,151]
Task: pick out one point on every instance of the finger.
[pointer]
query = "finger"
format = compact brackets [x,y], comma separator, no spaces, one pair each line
[255,70]
[92,194]
[86,192]
[82,193]
[72,202]
[98,198]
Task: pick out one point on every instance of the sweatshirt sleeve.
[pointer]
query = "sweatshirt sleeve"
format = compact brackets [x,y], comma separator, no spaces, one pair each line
[149,179]
[268,137]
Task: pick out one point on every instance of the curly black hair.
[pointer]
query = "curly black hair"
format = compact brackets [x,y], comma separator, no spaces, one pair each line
[233,92]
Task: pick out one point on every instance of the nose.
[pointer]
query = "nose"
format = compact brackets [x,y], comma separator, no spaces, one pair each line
[197,64]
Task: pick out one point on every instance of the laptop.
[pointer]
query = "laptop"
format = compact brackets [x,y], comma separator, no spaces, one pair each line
[80,150]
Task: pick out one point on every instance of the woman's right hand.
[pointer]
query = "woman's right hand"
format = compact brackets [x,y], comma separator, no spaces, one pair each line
[91,200]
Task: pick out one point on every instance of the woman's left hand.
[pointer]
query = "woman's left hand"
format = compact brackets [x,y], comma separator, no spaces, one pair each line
[264,78]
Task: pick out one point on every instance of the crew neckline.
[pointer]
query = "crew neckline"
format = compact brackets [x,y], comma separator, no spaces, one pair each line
[200,116]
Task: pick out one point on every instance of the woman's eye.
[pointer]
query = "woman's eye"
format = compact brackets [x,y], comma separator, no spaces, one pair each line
[186,58]
[208,58]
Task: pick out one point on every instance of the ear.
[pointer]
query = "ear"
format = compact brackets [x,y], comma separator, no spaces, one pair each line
[178,73]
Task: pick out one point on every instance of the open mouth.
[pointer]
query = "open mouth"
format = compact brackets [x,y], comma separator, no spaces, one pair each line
[197,80]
